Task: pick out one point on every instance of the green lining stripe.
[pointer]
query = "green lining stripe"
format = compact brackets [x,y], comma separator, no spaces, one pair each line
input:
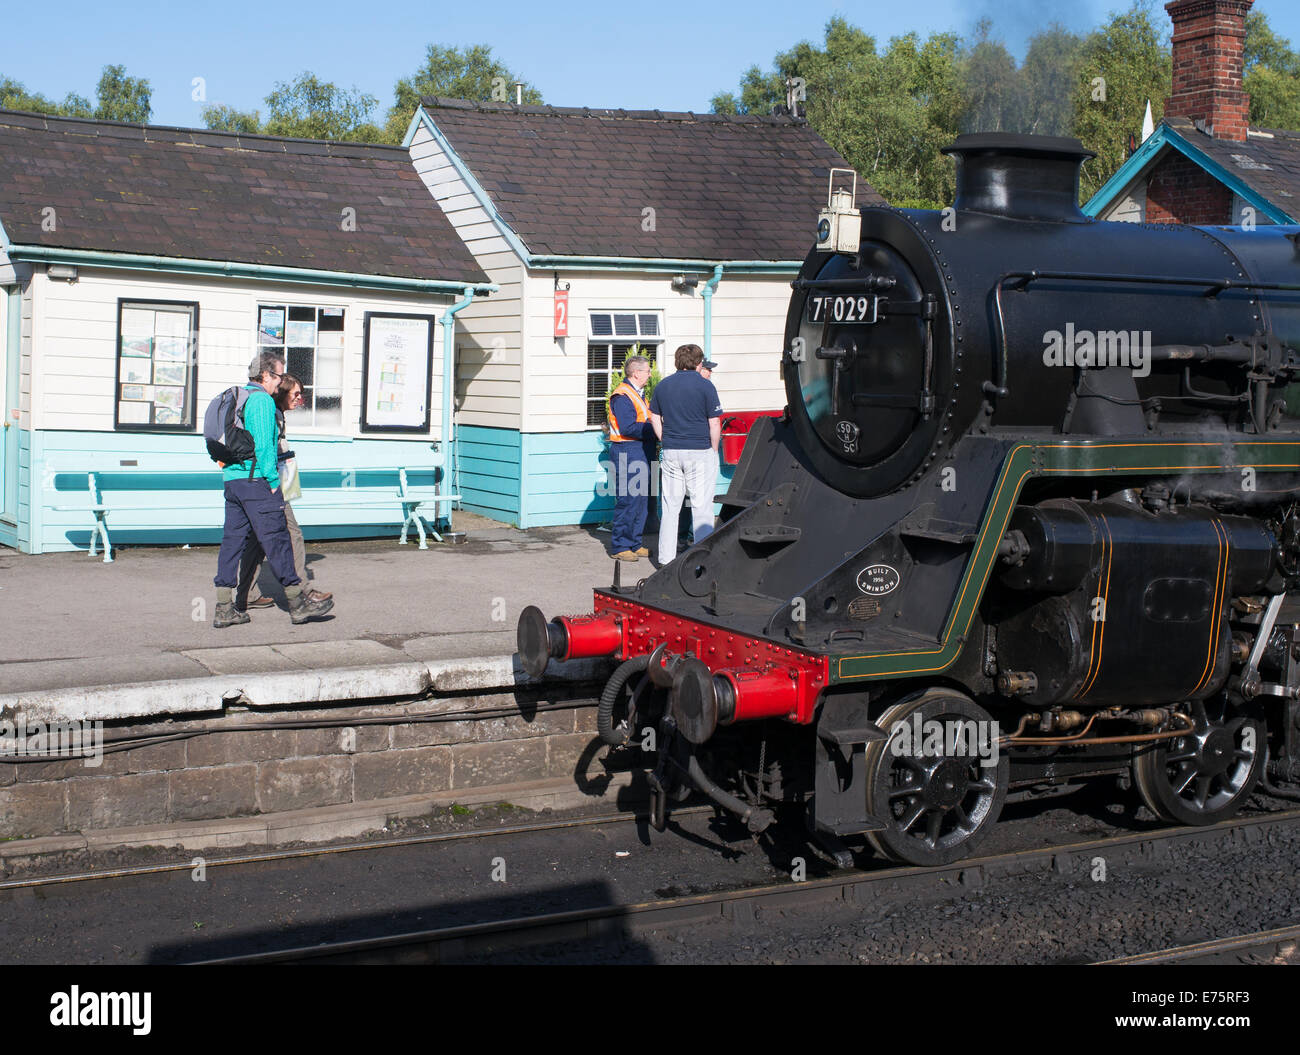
[1083,458]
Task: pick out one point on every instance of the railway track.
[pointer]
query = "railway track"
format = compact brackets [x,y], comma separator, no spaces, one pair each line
[453,944]
[1278,946]
[273,856]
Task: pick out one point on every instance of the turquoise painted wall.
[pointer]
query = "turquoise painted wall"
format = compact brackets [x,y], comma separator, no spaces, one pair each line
[563,479]
[183,503]
[489,463]
[540,479]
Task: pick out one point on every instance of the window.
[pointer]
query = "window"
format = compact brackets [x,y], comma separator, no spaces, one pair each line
[613,334]
[311,340]
[156,364]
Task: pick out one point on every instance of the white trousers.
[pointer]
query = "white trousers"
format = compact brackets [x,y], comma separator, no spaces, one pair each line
[683,474]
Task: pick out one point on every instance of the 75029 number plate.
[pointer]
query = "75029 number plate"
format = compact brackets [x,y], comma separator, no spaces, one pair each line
[842,308]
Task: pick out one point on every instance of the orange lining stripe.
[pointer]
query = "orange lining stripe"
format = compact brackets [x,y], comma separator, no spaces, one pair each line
[1220,585]
[956,608]
[1108,553]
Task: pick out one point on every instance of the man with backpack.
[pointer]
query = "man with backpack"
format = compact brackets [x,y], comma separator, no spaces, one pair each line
[241,433]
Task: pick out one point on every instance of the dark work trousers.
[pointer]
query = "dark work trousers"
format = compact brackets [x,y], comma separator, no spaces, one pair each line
[253,557]
[254,515]
[632,487]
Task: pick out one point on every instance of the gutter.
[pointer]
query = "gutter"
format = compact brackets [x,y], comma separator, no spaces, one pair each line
[448,389]
[237,269]
[633,263]
[707,293]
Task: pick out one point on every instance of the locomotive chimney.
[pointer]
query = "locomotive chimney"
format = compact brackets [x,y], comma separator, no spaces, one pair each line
[1208,39]
[1019,176]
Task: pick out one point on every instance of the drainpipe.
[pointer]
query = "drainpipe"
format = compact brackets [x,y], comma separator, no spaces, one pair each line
[707,293]
[448,391]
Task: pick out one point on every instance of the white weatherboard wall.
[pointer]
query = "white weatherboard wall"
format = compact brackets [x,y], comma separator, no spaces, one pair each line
[748,332]
[562,471]
[68,376]
[489,373]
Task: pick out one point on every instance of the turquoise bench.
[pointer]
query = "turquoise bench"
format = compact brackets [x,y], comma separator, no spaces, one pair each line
[117,476]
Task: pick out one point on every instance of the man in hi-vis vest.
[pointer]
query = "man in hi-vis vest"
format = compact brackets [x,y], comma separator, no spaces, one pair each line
[632,444]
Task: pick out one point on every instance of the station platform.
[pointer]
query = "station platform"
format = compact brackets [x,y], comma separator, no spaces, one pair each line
[126,637]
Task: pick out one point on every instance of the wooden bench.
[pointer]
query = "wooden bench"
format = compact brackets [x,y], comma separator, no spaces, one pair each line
[104,472]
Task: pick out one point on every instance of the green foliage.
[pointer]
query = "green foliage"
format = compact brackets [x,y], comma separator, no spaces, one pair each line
[886,113]
[450,72]
[990,83]
[1047,78]
[616,377]
[222,118]
[309,108]
[118,95]
[122,98]
[1271,75]
[889,112]
[1123,65]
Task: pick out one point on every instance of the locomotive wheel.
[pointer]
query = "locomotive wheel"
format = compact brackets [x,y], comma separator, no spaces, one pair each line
[1207,775]
[938,806]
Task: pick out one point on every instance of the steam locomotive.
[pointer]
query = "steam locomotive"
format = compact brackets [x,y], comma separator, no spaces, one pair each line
[1030,516]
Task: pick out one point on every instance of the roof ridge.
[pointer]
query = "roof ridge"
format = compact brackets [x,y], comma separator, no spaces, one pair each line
[439,102]
[240,140]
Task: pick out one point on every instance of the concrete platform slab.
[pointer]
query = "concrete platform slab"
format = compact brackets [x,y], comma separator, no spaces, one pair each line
[242,659]
[97,670]
[313,654]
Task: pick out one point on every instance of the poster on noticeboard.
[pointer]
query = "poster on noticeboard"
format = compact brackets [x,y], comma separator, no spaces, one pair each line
[396,374]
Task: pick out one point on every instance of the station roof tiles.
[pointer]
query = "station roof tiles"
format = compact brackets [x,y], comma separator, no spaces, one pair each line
[572,181]
[221,196]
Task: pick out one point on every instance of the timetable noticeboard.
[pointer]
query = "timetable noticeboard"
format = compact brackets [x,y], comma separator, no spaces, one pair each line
[397,373]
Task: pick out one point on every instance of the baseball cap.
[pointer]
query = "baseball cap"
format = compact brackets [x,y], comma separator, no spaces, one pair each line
[709,364]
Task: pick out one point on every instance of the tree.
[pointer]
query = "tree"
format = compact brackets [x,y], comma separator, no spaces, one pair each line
[13,96]
[309,108]
[122,98]
[991,84]
[1271,75]
[222,118]
[1047,78]
[1121,67]
[451,72]
[887,114]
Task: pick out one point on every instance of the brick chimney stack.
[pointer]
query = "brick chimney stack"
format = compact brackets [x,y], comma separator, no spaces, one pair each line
[1209,36]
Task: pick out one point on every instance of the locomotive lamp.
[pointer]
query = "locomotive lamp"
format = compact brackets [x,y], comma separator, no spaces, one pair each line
[839,228]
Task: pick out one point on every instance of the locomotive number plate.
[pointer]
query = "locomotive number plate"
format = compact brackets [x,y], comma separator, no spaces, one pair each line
[842,307]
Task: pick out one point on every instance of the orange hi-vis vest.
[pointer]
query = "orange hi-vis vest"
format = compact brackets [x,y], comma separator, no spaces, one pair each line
[638,404]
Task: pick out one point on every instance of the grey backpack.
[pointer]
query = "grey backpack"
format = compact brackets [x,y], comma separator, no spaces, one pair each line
[223,428]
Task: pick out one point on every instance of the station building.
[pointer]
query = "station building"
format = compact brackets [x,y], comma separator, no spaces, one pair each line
[604,230]
[142,267]
[1204,163]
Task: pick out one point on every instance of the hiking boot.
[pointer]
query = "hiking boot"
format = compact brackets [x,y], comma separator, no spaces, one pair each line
[627,554]
[304,609]
[228,615]
[641,551]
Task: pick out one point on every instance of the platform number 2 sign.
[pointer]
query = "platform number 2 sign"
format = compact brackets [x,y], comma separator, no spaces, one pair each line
[561,313]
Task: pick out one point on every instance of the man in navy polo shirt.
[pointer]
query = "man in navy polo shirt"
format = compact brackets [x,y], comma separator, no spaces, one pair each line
[687,417]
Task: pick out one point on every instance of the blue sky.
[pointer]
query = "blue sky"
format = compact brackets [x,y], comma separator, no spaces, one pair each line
[579,53]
